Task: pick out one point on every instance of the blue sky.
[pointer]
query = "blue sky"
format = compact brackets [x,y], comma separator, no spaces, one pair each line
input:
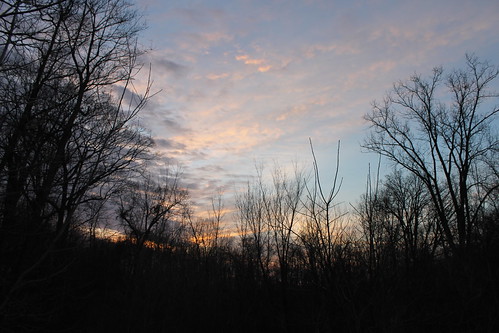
[245,82]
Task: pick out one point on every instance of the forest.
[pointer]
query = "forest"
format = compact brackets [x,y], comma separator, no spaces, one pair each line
[419,251]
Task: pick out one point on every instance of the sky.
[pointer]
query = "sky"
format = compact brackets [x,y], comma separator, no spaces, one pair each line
[244,83]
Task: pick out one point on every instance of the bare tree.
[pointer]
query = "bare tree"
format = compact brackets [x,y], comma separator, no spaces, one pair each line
[450,144]
[397,221]
[407,199]
[254,231]
[283,203]
[371,224]
[147,208]
[323,232]
[19,23]
[64,130]
[207,232]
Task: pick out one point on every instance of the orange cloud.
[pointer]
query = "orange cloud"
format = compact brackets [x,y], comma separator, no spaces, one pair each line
[215,77]
[225,136]
[264,69]
[241,57]
[251,61]
[254,62]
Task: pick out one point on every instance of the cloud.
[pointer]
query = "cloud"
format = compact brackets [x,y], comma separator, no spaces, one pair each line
[249,61]
[131,97]
[163,120]
[179,150]
[263,69]
[174,127]
[338,48]
[201,42]
[214,77]
[216,36]
[163,143]
[295,111]
[323,65]
[201,17]
[261,63]
[211,168]
[169,66]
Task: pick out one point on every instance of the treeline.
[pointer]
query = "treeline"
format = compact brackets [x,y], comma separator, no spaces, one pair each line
[418,251]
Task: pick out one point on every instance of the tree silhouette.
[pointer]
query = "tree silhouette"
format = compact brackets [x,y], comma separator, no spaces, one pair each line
[147,208]
[67,132]
[448,144]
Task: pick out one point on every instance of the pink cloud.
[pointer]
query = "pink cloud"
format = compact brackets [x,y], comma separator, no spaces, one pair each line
[215,77]
[253,61]
[263,69]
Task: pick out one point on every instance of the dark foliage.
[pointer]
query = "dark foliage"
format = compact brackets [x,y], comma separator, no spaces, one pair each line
[173,291]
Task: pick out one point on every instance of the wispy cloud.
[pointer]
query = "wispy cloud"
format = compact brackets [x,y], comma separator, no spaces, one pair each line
[169,144]
[337,48]
[250,79]
[200,42]
[264,69]
[169,66]
[214,77]
[249,61]
[261,65]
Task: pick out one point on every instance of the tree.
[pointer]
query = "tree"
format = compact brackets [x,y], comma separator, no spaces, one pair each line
[56,85]
[68,125]
[206,232]
[406,198]
[371,222]
[283,211]
[323,233]
[254,231]
[147,208]
[449,143]
[397,221]
[18,24]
